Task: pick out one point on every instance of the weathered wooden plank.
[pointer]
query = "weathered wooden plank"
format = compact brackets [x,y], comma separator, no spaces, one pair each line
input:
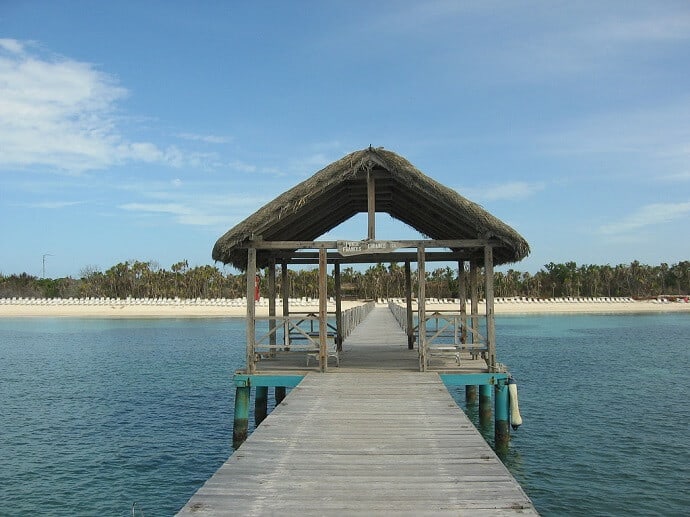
[358,443]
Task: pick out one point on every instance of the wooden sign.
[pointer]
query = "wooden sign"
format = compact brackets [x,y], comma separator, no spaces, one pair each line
[348,248]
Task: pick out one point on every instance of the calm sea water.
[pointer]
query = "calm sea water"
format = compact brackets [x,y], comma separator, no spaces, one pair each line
[98,414]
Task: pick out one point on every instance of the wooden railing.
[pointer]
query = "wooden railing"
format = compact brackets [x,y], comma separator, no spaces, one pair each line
[444,331]
[354,316]
[300,332]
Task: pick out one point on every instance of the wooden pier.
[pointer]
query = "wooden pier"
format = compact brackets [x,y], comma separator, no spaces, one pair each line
[374,436]
[369,428]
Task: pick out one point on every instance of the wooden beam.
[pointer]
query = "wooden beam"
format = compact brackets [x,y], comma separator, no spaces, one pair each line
[306,257]
[285,288]
[421,303]
[427,244]
[338,309]
[462,288]
[251,310]
[323,310]
[272,301]
[371,206]
[474,298]
[490,321]
[408,304]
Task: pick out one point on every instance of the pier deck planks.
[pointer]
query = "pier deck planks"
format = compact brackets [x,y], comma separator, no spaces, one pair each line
[367,444]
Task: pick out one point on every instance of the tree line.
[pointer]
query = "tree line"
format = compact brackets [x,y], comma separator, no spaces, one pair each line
[148,280]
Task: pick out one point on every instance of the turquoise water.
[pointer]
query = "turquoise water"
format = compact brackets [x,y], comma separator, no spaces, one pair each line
[98,414]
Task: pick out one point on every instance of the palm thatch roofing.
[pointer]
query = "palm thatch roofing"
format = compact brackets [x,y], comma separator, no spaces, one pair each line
[339,191]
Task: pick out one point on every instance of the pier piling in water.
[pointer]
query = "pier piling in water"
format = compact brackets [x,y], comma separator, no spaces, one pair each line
[260,404]
[471,394]
[241,421]
[501,417]
[485,404]
[279,394]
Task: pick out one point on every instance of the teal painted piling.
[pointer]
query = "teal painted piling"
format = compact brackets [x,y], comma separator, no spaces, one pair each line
[501,417]
[471,394]
[484,404]
[260,404]
[241,421]
[279,394]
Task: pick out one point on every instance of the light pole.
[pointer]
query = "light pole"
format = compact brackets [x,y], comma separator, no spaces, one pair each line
[44,263]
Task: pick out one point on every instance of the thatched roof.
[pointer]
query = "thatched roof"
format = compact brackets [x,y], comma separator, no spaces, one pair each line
[339,191]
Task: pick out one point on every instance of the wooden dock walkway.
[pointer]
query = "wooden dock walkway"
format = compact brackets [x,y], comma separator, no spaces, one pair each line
[373,437]
[357,443]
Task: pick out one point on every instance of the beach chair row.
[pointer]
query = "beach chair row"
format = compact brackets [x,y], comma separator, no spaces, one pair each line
[223,302]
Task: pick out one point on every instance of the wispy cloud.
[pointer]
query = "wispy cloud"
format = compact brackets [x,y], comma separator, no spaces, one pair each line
[61,114]
[649,215]
[677,177]
[51,205]
[181,213]
[660,132]
[511,191]
[240,166]
[579,41]
[208,139]
[190,204]
[660,26]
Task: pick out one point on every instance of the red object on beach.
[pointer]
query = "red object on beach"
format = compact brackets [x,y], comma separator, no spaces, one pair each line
[257,293]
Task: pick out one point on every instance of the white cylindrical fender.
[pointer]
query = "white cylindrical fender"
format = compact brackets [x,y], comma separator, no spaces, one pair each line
[515,418]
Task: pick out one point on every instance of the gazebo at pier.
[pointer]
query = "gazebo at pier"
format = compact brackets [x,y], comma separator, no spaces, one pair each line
[369,354]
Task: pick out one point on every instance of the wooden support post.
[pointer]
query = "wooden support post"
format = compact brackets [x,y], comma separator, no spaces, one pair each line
[338,309]
[474,300]
[272,303]
[285,291]
[371,206]
[285,288]
[260,404]
[240,426]
[484,405]
[279,394]
[323,311]
[408,300]
[462,288]
[490,320]
[251,310]
[501,418]
[421,302]
[470,394]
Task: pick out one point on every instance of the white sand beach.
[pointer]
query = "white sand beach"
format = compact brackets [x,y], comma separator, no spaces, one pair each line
[201,308]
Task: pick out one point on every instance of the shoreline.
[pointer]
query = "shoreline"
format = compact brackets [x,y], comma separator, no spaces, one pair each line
[146,308]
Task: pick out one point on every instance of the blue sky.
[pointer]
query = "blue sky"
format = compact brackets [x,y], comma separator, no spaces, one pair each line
[143,130]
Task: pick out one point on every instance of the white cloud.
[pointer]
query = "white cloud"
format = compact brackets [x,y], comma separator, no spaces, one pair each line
[511,191]
[55,204]
[209,139]
[678,176]
[182,214]
[194,209]
[661,132]
[241,166]
[60,114]
[11,45]
[658,27]
[597,39]
[649,215]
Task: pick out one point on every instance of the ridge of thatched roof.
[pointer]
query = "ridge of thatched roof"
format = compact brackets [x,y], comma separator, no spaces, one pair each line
[339,191]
